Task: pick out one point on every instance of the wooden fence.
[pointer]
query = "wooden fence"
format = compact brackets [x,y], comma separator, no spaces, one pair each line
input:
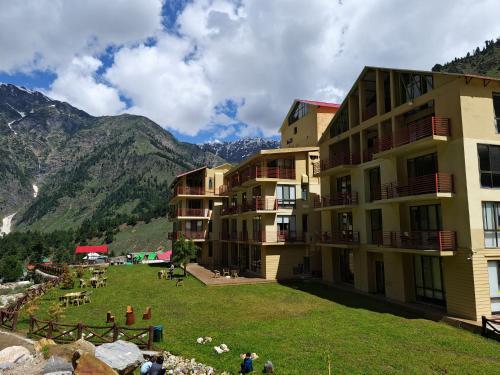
[9,314]
[491,328]
[65,333]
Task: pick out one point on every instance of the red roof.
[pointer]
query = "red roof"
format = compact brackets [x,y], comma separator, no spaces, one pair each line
[91,249]
[189,172]
[165,256]
[321,104]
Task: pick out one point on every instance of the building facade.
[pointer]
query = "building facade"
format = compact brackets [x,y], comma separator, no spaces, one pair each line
[195,196]
[410,171]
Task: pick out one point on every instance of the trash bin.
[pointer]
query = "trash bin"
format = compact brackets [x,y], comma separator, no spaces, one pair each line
[157,333]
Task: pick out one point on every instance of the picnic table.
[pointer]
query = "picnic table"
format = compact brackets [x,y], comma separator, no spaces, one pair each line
[69,298]
[98,272]
[97,282]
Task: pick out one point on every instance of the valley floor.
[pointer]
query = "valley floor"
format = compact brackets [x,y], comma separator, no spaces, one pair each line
[298,326]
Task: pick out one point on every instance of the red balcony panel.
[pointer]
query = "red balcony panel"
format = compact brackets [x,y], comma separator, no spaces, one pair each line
[342,158]
[428,184]
[261,204]
[340,237]
[192,235]
[426,127]
[421,240]
[189,190]
[195,212]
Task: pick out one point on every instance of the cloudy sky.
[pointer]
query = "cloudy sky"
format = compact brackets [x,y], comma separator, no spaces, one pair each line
[220,69]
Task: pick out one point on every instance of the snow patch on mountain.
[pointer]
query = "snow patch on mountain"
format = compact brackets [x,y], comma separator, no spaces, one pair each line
[35,191]
[236,151]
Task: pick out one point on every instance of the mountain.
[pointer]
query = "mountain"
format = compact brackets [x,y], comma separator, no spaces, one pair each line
[485,61]
[61,167]
[235,151]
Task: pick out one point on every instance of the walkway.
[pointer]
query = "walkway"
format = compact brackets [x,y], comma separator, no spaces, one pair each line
[206,276]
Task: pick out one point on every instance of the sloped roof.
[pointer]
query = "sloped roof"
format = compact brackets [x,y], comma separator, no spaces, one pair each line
[91,249]
[320,104]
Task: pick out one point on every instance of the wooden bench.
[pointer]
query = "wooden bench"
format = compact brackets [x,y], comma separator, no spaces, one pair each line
[147,314]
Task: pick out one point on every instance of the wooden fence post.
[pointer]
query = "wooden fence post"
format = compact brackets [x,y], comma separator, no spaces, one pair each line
[32,324]
[115,332]
[150,337]
[49,329]
[14,321]
[79,331]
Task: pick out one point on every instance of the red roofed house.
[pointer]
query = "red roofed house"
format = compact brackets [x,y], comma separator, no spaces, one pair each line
[91,249]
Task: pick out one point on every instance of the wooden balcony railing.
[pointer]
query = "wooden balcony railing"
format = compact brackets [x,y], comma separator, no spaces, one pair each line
[421,240]
[261,204]
[190,235]
[194,212]
[428,184]
[189,190]
[423,128]
[340,237]
[277,236]
[338,199]
[342,158]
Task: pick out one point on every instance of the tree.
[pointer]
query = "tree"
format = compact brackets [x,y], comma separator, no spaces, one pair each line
[109,236]
[183,251]
[10,268]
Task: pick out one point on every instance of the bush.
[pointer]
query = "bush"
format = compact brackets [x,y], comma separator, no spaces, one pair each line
[10,269]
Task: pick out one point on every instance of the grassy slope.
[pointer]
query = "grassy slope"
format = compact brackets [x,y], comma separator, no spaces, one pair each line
[296,326]
[141,237]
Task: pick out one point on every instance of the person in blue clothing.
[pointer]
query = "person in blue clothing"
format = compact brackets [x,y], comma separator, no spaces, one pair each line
[147,365]
[247,365]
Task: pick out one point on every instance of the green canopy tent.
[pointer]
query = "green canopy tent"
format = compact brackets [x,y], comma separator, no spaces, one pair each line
[139,257]
[152,256]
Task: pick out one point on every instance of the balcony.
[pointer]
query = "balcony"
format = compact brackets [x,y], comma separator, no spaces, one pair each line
[442,240]
[190,235]
[431,127]
[260,204]
[277,236]
[340,199]
[189,190]
[230,210]
[338,162]
[191,212]
[440,184]
[252,173]
[343,237]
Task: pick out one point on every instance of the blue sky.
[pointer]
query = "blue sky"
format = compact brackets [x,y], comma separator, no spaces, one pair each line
[224,69]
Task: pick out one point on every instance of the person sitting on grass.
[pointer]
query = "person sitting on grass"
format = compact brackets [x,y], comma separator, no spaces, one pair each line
[147,365]
[157,367]
[247,365]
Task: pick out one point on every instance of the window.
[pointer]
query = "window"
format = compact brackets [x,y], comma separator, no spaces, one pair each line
[347,266]
[255,259]
[210,183]
[210,249]
[429,279]
[210,224]
[304,192]
[295,130]
[376,226]
[344,184]
[491,224]
[286,224]
[374,182]
[413,85]
[299,110]
[496,108]
[344,221]
[489,165]
[422,165]
[425,218]
[234,254]
[305,224]
[339,123]
[285,195]
[210,204]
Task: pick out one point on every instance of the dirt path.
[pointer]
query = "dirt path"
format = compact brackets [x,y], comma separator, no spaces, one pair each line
[10,339]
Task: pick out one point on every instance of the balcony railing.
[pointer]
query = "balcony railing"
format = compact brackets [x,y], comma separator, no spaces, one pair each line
[421,240]
[340,237]
[338,199]
[277,236]
[194,212]
[189,190]
[261,204]
[343,158]
[231,210]
[192,235]
[428,184]
[416,130]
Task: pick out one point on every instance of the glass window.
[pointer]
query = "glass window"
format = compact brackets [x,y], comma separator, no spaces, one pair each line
[304,191]
[425,218]
[285,195]
[347,266]
[286,223]
[489,165]
[496,107]
[255,263]
[344,184]
[299,110]
[210,249]
[491,224]
[422,165]
[376,226]
[428,279]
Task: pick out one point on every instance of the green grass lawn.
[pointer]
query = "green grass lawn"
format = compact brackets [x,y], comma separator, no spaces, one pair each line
[296,326]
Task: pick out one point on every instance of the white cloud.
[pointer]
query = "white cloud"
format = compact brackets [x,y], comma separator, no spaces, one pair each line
[47,34]
[76,84]
[260,54]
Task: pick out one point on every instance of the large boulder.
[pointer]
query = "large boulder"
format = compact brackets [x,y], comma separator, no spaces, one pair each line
[42,343]
[15,355]
[58,365]
[90,365]
[121,355]
[67,350]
